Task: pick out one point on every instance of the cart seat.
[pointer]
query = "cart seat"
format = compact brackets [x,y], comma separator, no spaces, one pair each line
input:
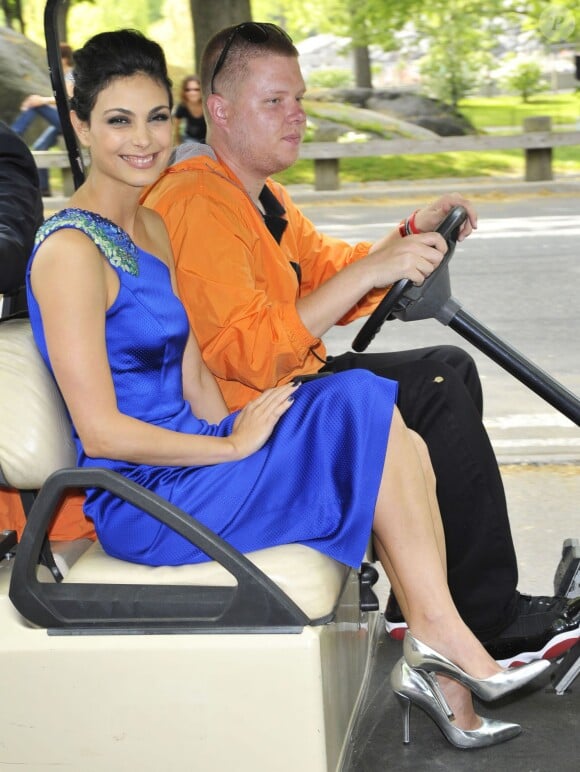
[35,443]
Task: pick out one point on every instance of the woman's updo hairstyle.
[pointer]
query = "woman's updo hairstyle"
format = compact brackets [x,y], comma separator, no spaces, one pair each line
[111,55]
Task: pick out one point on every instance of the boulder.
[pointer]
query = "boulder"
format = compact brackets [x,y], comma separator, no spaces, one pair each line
[23,71]
[406,106]
[422,110]
[331,120]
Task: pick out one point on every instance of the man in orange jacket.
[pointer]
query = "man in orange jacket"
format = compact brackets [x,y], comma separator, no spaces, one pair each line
[262,286]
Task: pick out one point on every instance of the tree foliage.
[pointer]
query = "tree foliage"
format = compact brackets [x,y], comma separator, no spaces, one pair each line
[526,79]
[458,38]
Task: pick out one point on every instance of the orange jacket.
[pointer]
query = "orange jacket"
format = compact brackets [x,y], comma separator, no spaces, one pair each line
[70,522]
[237,283]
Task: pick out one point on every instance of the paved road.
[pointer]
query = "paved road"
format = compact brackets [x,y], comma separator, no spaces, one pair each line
[520,276]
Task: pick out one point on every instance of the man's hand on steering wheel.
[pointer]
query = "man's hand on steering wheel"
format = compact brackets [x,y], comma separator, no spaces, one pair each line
[413,258]
[448,232]
[430,217]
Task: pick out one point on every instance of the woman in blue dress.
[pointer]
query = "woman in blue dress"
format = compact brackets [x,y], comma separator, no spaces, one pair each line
[298,464]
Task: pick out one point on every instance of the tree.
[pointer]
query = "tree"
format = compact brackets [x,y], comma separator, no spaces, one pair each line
[365,22]
[526,78]
[209,18]
[458,37]
[12,10]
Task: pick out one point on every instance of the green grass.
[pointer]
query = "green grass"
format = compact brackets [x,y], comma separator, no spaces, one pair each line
[421,167]
[510,111]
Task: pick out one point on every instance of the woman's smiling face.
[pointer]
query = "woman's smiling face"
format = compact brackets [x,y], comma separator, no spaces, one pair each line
[129,134]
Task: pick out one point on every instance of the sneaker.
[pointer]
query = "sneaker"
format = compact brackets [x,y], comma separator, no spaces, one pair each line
[545,628]
[394,621]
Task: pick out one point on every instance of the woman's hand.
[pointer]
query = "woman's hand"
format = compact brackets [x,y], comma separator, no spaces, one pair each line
[256,421]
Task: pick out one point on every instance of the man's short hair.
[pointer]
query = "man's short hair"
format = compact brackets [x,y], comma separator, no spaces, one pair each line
[244,42]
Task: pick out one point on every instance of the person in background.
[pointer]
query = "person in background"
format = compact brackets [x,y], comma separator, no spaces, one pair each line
[21,211]
[21,214]
[188,114]
[35,106]
[262,286]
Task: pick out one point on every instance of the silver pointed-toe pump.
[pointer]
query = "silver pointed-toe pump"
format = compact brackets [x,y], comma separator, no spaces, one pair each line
[422,657]
[411,687]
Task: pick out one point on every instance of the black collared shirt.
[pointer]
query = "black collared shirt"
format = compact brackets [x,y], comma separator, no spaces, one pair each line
[276,222]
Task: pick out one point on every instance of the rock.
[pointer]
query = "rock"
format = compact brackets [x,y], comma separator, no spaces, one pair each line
[407,107]
[327,117]
[23,71]
[421,110]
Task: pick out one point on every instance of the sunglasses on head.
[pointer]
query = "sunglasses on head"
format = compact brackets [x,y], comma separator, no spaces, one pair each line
[253,32]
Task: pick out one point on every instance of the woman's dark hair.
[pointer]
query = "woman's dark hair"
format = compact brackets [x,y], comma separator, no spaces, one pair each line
[111,55]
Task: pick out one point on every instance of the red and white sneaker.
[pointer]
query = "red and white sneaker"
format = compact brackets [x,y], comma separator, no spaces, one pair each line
[545,628]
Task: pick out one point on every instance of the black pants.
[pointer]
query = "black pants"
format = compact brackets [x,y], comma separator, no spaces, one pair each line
[440,397]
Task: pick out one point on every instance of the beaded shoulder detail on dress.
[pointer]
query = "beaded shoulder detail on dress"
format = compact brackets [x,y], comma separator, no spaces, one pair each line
[115,244]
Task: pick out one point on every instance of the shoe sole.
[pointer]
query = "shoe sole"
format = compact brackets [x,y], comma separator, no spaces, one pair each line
[554,649]
[396,630]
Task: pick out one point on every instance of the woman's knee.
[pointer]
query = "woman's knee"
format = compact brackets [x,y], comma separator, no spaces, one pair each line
[424,457]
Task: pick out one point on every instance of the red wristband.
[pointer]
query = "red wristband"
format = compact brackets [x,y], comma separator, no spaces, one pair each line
[408,227]
[411,224]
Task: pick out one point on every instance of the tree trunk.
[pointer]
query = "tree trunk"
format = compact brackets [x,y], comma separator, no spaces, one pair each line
[362,67]
[63,21]
[13,13]
[209,18]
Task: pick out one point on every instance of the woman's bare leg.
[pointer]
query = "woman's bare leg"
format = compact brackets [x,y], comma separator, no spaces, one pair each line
[410,545]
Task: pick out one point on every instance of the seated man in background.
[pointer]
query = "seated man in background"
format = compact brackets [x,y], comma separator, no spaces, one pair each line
[20,216]
[262,286]
[20,209]
[35,106]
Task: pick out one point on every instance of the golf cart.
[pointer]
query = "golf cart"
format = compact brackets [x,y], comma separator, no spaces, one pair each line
[269,661]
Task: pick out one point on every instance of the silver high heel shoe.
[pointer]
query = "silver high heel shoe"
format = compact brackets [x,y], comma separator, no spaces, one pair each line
[413,688]
[422,657]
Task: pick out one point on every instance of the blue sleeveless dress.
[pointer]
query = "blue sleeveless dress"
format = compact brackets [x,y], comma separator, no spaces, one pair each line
[314,482]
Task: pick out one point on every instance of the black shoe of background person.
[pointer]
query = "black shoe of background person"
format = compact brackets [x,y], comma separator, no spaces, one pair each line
[545,628]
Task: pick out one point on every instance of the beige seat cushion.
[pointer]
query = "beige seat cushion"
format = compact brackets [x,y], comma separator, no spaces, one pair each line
[35,431]
[313,580]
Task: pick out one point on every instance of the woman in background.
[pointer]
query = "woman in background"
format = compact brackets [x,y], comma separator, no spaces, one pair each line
[189,121]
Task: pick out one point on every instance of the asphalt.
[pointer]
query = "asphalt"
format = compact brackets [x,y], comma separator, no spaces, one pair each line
[471,187]
[399,190]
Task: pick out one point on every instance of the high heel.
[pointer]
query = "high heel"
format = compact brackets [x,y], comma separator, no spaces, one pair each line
[422,657]
[412,687]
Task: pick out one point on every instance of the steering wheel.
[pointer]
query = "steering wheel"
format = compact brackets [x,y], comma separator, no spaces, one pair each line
[398,297]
